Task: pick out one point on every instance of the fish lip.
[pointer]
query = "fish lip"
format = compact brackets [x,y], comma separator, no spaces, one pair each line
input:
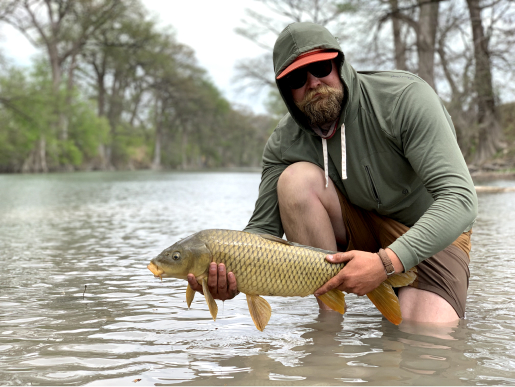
[155,270]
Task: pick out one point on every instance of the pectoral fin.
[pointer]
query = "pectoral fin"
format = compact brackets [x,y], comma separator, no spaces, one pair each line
[402,279]
[334,299]
[190,294]
[260,311]
[385,299]
[211,303]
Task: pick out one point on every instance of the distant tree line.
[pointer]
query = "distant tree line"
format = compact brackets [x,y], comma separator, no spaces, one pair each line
[111,90]
[459,47]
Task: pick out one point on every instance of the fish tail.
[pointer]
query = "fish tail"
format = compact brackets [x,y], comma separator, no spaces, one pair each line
[386,301]
[334,299]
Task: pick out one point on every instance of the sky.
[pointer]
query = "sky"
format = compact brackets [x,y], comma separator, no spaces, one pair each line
[207,26]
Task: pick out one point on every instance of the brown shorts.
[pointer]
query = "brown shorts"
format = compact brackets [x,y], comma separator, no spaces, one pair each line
[446,273]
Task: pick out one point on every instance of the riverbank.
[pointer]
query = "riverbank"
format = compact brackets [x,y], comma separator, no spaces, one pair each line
[490,172]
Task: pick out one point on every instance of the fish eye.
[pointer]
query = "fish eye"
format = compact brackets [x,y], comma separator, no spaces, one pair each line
[176,256]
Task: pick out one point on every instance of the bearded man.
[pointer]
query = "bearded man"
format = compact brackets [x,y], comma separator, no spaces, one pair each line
[366,163]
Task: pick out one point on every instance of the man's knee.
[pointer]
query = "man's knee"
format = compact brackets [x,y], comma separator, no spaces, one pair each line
[299,182]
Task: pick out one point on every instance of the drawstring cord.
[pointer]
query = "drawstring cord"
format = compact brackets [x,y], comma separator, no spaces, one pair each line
[344,156]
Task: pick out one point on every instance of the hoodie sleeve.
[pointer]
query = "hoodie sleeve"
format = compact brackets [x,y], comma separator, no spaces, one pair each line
[426,135]
[266,217]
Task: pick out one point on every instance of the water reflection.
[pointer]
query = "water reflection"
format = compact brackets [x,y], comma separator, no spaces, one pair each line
[79,307]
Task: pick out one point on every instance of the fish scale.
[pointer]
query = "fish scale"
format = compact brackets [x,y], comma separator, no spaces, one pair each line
[264,267]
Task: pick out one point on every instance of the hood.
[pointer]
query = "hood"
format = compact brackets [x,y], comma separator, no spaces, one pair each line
[299,38]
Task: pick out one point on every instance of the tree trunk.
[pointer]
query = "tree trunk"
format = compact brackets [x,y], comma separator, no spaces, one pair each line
[156,162]
[184,146]
[36,161]
[490,136]
[426,36]
[399,44]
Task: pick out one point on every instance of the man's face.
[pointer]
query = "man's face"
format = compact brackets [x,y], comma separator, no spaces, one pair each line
[320,99]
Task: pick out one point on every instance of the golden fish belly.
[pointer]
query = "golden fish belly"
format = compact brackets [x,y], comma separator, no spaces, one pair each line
[264,267]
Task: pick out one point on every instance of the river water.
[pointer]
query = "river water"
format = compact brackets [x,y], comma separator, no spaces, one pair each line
[79,307]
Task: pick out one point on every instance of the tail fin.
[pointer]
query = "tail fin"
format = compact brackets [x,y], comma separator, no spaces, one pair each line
[402,279]
[386,301]
[334,299]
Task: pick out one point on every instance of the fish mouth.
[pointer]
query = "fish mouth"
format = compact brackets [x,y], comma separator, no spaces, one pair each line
[155,270]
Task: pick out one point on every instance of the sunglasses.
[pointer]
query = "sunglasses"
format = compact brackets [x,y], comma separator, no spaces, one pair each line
[297,78]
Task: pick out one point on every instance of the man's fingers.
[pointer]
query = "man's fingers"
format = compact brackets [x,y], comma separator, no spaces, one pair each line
[330,285]
[222,285]
[194,284]
[233,286]
[212,279]
[222,279]
[340,257]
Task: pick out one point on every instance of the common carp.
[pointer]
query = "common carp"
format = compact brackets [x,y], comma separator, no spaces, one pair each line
[265,265]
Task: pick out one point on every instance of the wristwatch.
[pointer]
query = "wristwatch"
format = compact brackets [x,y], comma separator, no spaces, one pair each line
[387,262]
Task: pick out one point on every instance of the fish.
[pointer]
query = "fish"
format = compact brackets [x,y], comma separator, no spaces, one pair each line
[265,265]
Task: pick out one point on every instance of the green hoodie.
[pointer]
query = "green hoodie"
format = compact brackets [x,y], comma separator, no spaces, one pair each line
[402,157]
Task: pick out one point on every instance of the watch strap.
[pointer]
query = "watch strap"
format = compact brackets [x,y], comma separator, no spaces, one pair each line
[387,262]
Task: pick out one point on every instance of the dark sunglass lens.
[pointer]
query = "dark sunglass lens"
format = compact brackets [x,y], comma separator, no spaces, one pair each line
[321,69]
[296,79]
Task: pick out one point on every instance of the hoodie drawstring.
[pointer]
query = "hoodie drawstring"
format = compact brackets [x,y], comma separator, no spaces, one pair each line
[344,157]
[344,154]
[326,172]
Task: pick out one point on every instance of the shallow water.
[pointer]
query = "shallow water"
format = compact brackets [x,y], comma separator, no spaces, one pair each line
[79,307]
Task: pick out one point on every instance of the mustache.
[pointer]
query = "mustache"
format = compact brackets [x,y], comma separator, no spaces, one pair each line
[322,90]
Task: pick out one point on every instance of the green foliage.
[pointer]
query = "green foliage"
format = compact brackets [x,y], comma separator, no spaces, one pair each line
[349,6]
[86,130]
[130,93]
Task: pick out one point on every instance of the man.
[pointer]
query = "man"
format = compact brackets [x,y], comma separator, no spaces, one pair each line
[362,162]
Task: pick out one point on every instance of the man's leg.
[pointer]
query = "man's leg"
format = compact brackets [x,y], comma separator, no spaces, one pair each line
[419,305]
[441,286]
[310,212]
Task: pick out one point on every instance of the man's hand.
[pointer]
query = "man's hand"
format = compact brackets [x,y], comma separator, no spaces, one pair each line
[362,273]
[222,286]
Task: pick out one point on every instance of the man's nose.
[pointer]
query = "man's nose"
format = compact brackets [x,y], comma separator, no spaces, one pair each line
[312,81]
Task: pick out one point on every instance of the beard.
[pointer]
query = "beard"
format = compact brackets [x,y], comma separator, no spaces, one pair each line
[323,108]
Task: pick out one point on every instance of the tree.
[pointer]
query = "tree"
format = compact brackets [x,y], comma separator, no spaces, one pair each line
[490,138]
[62,27]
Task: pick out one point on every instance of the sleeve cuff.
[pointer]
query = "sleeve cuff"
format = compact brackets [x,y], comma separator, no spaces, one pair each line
[406,254]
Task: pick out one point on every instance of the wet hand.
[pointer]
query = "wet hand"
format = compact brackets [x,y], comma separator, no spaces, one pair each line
[363,272]
[222,285]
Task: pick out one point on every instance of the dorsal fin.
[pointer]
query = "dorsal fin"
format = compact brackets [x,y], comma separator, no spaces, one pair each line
[280,240]
[313,248]
[275,239]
